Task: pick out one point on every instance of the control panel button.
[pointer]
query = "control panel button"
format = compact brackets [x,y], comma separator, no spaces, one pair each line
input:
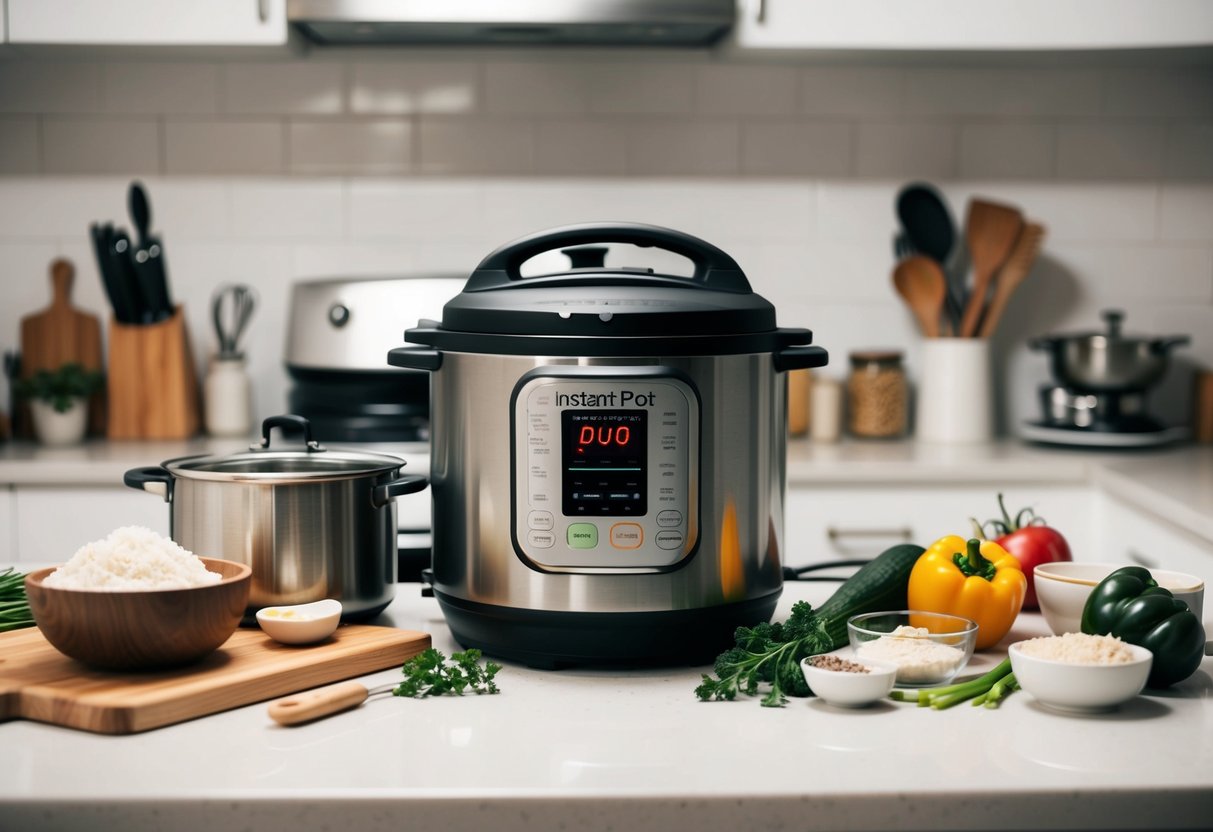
[583,536]
[627,535]
[540,520]
[540,539]
[669,539]
[669,518]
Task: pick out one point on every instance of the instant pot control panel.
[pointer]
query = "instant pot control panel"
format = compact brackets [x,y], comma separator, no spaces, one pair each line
[605,469]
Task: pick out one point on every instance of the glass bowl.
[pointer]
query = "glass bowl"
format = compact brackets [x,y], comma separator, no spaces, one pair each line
[929,648]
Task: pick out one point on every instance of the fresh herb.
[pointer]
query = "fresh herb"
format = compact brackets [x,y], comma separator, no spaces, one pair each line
[988,690]
[60,387]
[429,673]
[14,606]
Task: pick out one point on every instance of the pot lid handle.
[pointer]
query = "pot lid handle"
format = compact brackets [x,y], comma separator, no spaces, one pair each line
[1114,319]
[286,420]
[714,269]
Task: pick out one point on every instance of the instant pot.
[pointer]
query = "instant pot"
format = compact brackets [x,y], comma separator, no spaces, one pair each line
[607,452]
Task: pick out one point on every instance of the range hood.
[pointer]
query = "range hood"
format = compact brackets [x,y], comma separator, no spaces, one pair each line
[513,22]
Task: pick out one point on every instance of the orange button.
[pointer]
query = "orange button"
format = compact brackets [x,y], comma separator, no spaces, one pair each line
[627,535]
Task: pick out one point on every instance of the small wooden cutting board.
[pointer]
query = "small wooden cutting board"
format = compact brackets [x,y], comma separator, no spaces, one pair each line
[40,683]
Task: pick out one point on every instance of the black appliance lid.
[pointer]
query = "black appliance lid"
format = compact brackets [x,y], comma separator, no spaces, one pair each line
[607,311]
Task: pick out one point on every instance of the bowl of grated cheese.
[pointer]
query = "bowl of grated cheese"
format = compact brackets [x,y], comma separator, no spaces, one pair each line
[137,601]
[929,648]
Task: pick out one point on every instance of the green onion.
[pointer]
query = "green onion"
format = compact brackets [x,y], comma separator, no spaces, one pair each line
[14,606]
[981,690]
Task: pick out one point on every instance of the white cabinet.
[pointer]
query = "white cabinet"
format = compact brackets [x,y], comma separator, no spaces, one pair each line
[1129,535]
[52,522]
[148,22]
[958,25]
[842,522]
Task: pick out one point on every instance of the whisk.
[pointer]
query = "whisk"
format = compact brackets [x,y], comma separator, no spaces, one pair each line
[232,307]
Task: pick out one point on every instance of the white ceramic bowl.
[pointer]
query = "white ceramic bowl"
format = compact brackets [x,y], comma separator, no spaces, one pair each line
[850,690]
[1062,589]
[1081,687]
[301,623]
[871,639]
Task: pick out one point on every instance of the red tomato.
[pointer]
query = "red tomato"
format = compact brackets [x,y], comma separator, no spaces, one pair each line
[1032,545]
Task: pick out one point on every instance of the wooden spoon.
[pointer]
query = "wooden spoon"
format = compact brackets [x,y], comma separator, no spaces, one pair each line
[991,230]
[1013,272]
[920,280]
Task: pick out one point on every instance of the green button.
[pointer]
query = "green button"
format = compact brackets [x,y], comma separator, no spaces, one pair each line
[583,536]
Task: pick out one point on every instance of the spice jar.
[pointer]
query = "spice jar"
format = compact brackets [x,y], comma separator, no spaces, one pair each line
[877,394]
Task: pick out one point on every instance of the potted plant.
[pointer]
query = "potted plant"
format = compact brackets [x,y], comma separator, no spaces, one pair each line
[58,401]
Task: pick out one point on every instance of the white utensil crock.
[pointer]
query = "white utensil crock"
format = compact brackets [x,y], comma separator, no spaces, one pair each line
[954,391]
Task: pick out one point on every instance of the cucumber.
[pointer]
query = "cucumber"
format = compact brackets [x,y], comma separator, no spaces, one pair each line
[877,586]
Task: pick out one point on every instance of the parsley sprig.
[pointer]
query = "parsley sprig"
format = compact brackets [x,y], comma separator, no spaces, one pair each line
[429,673]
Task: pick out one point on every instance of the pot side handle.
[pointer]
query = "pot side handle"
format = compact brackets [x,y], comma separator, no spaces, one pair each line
[381,495]
[154,479]
[800,358]
[413,358]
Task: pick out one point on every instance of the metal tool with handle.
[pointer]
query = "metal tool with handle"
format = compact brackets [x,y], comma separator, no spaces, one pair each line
[326,701]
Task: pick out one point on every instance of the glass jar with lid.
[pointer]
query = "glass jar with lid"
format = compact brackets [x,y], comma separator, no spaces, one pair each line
[877,394]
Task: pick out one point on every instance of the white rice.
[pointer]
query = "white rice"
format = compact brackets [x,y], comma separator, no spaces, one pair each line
[132,557]
[1078,648]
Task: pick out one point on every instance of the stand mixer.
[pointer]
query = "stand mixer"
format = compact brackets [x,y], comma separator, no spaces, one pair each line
[1100,395]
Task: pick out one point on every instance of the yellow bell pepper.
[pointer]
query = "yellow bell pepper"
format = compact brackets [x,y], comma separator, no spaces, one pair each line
[976,579]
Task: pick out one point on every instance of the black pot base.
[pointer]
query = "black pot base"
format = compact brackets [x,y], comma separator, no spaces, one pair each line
[552,640]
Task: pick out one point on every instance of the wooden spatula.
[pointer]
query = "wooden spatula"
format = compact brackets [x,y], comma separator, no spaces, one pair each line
[920,280]
[1013,272]
[991,230]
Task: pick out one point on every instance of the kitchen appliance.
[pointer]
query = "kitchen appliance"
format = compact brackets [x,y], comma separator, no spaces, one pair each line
[312,523]
[607,452]
[534,23]
[1102,378]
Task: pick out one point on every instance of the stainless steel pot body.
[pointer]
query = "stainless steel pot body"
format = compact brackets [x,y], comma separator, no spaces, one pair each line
[304,541]
[1098,364]
[741,468]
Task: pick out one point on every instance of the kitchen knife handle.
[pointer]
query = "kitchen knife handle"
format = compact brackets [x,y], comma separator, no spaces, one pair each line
[313,704]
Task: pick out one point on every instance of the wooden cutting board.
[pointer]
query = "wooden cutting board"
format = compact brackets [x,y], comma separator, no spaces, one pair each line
[62,334]
[40,683]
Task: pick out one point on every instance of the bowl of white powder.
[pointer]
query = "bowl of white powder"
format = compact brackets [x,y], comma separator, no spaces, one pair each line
[137,601]
[1080,672]
[929,648]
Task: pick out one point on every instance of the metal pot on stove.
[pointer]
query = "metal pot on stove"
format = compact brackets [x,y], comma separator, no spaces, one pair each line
[1108,361]
[607,452]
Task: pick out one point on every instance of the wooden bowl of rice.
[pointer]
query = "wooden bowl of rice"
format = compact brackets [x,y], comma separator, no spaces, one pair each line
[137,628]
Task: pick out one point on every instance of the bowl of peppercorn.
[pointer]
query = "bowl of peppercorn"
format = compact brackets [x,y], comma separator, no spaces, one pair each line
[848,683]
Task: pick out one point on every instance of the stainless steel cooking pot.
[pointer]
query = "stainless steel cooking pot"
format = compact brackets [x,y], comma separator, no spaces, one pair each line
[608,453]
[1109,361]
[312,523]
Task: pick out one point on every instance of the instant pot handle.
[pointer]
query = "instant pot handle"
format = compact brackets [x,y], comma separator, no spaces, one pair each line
[415,358]
[381,495]
[286,420]
[714,268]
[154,479]
[800,358]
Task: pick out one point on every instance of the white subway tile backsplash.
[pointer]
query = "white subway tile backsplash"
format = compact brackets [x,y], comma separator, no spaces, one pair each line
[1185,212]
[663,148]
[19,146]
[350,147]
[296,208]
[154,88]
[852,91]
[535,88]
[582,147]
[414,210]
[640,89]
[745,90]
[188,209]
[49,87]
[1135,273]
[461,147]
[1007,150]
[250,148]
[858,213]
[804,149]
[1093,211]
[1111,150]
[1159,93]
[407,87]
[918,150]
[40,209]
[1002,92]
[287,87]
[99,145]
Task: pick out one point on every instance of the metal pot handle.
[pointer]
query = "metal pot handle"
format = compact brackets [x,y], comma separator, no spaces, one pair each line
[154,479]
[286,420]
[1163,345]
[381,495]
[800,358]
[714,269]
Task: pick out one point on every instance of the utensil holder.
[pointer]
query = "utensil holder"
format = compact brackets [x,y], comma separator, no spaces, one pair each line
[955,393]
[153,387]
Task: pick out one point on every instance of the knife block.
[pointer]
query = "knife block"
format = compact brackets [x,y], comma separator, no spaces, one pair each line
[153,387]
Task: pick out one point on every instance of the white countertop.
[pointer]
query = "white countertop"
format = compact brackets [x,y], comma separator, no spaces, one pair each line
[598,749]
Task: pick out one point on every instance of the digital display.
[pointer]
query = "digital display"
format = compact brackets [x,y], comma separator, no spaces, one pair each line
[604,456]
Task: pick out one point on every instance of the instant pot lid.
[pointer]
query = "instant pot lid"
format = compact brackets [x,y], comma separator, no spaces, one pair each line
[607,311]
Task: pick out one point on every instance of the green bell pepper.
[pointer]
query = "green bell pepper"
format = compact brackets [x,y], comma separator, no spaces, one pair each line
[1130,605]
